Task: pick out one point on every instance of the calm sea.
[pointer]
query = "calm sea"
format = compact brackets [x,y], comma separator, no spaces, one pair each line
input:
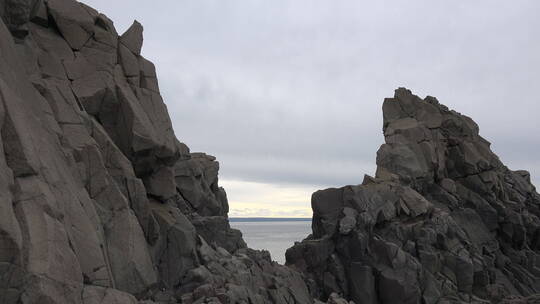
[272,235]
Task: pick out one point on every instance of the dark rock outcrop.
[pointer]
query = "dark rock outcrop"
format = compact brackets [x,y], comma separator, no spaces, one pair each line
[442,221]
[99,202]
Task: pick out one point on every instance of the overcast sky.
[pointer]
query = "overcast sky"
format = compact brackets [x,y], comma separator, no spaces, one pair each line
[287,94]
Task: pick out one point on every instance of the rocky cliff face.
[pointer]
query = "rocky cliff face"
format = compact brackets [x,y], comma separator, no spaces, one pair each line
[442,221]
[99,202]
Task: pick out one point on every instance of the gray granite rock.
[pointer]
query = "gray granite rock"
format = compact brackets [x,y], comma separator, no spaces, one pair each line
[196,177]
[100,202]
[99,295]
[74,22]
[133,38]
[443,220]
[16,13]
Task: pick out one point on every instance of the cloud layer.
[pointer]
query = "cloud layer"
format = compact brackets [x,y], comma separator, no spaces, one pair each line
[290,92]
[252,199]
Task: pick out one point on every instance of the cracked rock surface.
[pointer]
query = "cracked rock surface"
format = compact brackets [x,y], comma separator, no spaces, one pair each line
[442,221]
[99,202]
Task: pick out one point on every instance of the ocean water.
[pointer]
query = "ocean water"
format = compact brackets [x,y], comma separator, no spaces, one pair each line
[274,236]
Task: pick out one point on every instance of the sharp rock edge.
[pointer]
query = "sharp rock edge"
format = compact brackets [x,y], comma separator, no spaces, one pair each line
[442,221]
[100,203]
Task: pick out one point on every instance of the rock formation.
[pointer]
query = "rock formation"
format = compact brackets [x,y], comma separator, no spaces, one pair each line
[99,202]
[442,221]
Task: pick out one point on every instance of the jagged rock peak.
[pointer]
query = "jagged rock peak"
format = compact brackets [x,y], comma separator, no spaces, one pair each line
[133,38]
[442,221]
[425,141]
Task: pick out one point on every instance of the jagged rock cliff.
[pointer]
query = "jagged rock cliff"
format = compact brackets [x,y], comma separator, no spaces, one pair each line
[442,221]
[99,202]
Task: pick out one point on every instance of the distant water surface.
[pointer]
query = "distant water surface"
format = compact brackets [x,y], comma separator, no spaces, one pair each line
[276,236]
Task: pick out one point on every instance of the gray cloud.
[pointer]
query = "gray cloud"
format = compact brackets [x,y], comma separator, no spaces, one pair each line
[291,91]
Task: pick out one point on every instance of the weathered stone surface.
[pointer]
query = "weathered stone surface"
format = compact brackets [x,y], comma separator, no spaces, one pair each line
[196,177]
[48,40]
[146,139]
[16,13]
[148,75]
[40,14]
[78,67]
[217,231]
[443,221]
[100,202]
[100,295]
[133,38]
[91,91]
[161,183]
[131,264]
[174,252]
[129,61]
[11,242]
[73,21]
